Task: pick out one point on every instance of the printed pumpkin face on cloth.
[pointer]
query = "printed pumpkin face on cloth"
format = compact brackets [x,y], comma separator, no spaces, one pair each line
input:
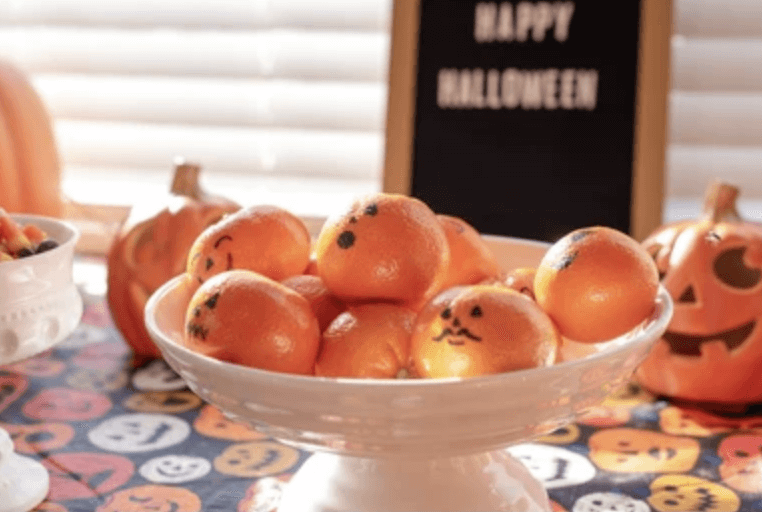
[212,423]
[67,404]
[78,475]
[264,239]
[256,459]
[686,493]
[741,466]
[629,450]
[712,268]
[39,437]
[609,502]
[387,247]
[479,330]
[693,422]
[152,498]
[169,402]
[12,386]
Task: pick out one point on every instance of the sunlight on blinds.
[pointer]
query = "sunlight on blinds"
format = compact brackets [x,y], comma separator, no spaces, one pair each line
[279,101]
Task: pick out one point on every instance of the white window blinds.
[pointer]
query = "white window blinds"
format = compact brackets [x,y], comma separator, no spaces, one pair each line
[715,128]
[284,100]
[280,101]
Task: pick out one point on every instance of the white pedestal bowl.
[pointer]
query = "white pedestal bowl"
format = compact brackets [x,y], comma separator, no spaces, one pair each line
[409,444]
[39,307]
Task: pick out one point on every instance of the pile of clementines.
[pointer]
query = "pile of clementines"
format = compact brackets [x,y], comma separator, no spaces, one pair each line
[390,289]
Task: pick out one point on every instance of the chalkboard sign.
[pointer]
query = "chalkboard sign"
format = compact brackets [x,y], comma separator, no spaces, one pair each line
[530,118]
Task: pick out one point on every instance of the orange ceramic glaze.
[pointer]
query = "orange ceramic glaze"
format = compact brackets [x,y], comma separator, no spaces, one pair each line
[242,317]
[478,330]
[324,304]
[387,247]
[596,283]
[265,239]
[368,340]
[471,260]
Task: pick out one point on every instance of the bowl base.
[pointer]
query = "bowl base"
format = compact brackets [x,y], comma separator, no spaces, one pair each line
[488,481]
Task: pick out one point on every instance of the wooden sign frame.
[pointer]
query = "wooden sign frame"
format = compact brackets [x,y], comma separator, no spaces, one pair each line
[650,130]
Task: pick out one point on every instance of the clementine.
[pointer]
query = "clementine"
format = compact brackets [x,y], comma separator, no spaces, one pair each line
[265,239]
[246,318]
[596,283]
[368,340]
[522,280]
[471,260]
[387,247]
[324,304]
[478,330]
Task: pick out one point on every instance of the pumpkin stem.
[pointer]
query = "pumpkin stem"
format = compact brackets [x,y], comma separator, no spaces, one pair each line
[185,181]
[720,202]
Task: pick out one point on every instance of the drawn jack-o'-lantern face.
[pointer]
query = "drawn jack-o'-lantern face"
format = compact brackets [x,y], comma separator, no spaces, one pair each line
[211,422]
[12,386]
[634,450]
[690,422]
[685,493]
[256,459]
[75,475]
[388,247]
[481,330]
[39,437]
[67,404]
[152,498]
[265,239]
[712,268]
[170,402]
[609,502]
[741,466]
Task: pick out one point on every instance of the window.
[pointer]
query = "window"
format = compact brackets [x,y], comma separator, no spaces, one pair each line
[283,101]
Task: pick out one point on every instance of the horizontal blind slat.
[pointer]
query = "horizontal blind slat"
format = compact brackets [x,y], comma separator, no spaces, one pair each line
[209,101]
[718,18]
[689,168]
[232,150]
[331,14]
[303,195]
[715,119]
[717,65]
[277,53]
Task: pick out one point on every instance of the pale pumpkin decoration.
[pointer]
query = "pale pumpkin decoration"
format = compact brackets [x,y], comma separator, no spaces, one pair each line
[152,247]
[29,164]
[712,268]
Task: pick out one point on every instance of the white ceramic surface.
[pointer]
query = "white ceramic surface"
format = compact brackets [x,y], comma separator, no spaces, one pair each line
[442,437]
[39,306]
[39,302]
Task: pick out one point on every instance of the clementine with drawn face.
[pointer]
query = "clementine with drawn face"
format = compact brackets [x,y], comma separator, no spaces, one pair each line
[265,239]
[387,247]
[479,330]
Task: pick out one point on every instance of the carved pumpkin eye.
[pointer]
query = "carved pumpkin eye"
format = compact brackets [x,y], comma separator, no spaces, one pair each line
[730,268]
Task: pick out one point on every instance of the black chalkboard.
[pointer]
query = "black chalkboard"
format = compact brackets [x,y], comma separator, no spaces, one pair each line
[522,115]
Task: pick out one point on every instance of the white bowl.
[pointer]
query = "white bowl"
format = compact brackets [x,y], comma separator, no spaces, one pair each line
[407,442]
[39,302]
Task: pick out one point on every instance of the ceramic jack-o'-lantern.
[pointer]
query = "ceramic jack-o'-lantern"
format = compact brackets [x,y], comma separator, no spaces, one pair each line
[712,268]
[152,247]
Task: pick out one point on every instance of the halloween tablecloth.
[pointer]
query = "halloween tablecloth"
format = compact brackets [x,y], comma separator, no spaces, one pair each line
[117,437]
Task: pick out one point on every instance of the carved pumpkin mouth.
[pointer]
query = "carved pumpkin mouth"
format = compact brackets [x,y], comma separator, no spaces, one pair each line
[690,345]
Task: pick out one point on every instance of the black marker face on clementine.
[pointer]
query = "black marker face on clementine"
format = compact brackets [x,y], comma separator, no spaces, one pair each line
[454,331]
[347,238]
[197,326]
[214,258]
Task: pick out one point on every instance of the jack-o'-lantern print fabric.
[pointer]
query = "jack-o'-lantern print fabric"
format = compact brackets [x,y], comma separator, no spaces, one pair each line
[119,437]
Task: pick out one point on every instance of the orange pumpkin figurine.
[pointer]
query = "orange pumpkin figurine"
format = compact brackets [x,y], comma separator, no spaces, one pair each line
[471,259]
[596,283]
[324,304]
[368,340]
[479,330]
[245,318]
[712,269]
[387,247]
[265,239]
